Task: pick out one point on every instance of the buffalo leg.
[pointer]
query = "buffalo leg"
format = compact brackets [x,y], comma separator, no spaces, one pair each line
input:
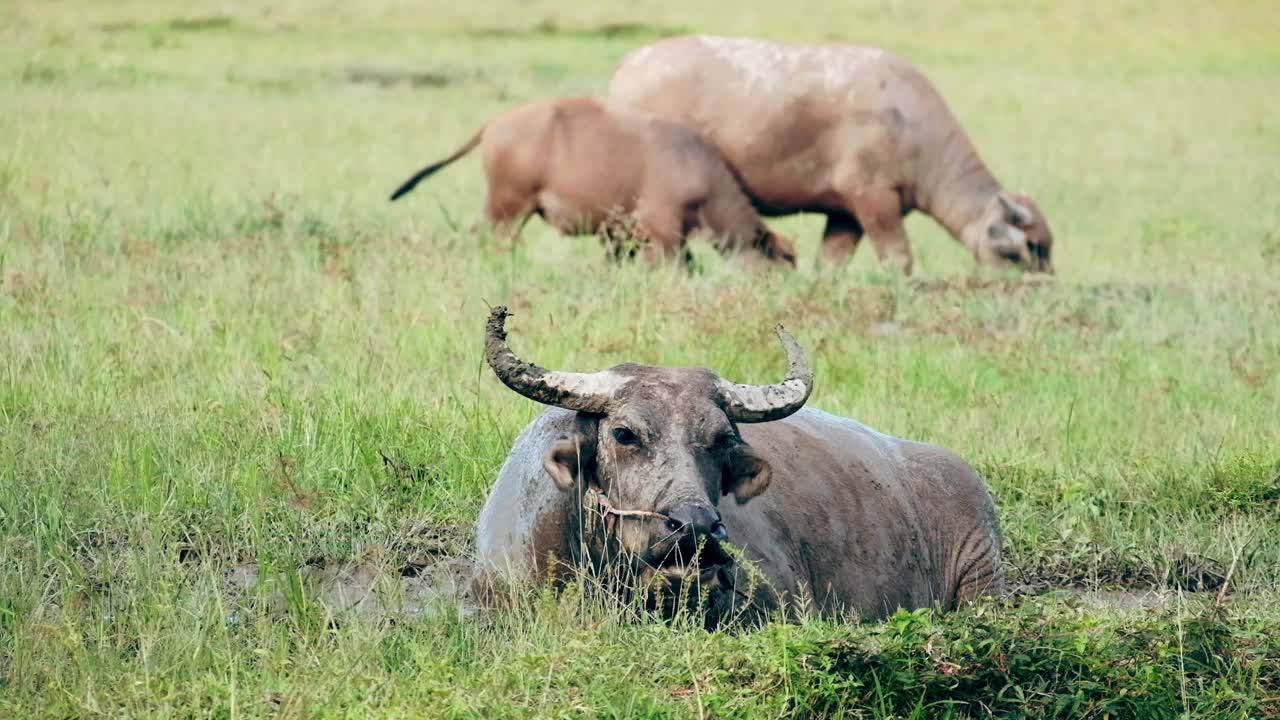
[507,213]
[733,223]
[840,238]
[662,235]
[618,237]
[880,211]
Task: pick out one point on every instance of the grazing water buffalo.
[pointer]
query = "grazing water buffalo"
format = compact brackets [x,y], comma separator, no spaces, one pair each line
[855,133]
[586,168]
[629,467]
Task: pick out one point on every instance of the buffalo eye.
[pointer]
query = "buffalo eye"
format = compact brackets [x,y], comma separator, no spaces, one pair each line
[625,436]
[724,441]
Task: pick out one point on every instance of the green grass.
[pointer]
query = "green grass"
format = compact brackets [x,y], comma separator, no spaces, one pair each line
[221,348]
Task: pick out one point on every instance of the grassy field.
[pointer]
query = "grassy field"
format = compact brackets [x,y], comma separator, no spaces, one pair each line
[224,355]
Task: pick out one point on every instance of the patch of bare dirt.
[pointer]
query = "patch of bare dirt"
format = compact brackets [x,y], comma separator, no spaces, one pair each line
[425,568]
[1135,599]
[550,27]
[1186,572]
[27,289]
[364,589]
[390,77]
[179,24]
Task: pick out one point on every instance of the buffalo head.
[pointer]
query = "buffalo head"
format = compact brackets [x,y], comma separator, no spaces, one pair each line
[1012,230]
[656,448]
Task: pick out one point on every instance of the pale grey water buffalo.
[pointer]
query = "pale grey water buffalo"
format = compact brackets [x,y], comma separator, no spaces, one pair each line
[584,167]
[629,467]
[855,133]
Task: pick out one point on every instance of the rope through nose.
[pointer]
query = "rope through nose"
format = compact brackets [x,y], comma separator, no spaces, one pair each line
[606,507]
[596,501]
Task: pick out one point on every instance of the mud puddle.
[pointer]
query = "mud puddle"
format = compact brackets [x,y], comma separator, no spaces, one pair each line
[1136,599]
[361,589]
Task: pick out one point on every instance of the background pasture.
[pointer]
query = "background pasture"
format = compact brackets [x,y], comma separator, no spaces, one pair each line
[223,355]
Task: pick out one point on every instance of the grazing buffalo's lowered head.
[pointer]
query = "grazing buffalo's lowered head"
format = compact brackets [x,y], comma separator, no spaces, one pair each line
[1012,230]
[655,449]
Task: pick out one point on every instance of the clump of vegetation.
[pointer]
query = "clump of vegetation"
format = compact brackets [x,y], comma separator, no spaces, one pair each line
[1248,483]
[1037,660]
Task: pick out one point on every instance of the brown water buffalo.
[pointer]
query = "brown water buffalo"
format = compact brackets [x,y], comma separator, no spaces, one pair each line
[855,133]
[586,168]
[629,467]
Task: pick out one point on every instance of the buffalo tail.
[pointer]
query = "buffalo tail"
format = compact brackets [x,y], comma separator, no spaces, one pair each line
[429,170]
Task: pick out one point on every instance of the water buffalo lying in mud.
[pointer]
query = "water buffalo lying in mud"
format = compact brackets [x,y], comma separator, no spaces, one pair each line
[586,168]
[629,466]
[855,133]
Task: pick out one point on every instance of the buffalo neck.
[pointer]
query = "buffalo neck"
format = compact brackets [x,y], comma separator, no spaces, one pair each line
[960,187]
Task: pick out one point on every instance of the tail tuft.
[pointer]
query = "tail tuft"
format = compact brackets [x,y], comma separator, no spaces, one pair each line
[410,184]
[422,174]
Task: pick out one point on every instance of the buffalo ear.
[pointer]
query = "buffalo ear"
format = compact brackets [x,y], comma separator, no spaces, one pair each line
[1020,214]
[568,459]
[747,474]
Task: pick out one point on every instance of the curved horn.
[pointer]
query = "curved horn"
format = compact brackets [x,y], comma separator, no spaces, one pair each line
[584,392]
[762,403]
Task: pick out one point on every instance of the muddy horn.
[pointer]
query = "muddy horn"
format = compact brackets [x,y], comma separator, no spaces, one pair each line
[762,403]
[584,392]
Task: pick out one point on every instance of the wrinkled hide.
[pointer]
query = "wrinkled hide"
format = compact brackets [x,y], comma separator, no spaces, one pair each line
[589,169]
[855,133]
[852,520]
[691,488]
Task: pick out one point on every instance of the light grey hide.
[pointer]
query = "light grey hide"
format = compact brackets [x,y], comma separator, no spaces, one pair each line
[853,520]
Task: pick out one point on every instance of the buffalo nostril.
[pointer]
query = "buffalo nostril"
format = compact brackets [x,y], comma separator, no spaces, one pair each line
[696,519]
[718,531]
